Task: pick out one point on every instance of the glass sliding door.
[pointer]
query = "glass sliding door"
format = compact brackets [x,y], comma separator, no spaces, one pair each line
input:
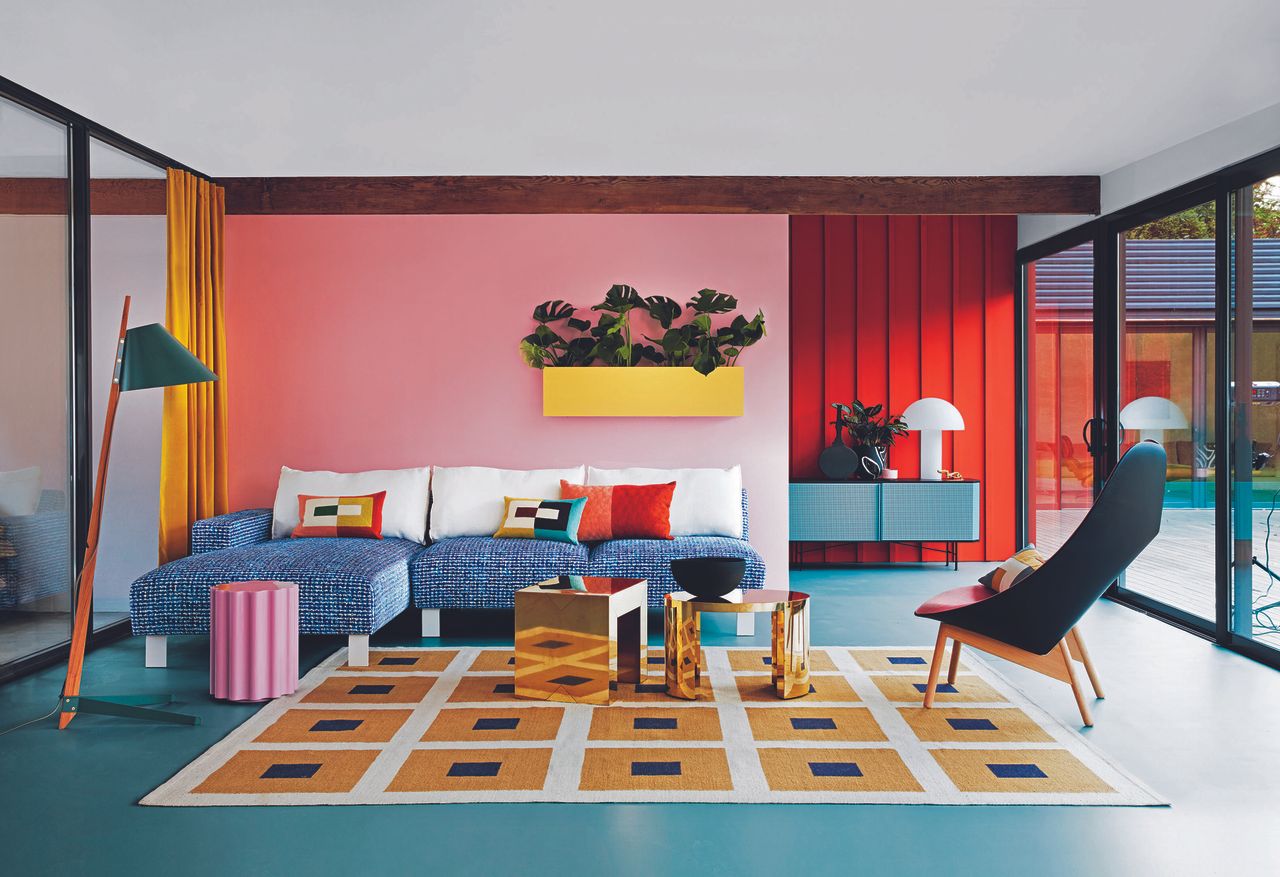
[1061,410]
[36,567]
[1255,413]
[127,257]
[1166,285]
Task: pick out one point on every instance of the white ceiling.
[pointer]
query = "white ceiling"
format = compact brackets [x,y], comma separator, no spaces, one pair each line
[688,87]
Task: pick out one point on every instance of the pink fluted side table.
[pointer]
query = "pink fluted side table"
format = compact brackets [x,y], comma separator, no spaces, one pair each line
[253,640]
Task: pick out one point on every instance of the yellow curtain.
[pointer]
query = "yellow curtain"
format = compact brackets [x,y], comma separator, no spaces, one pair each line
[193,445]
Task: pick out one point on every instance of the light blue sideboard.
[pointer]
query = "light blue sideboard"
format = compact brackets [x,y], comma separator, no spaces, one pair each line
[886,511]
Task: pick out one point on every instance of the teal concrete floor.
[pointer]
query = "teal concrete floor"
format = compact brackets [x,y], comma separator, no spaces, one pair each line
[1197,723]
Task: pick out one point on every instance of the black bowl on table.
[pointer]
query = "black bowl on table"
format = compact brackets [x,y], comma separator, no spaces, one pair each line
[708,577]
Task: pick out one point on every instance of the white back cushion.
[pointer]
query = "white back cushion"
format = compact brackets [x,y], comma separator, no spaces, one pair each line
[707,502]
[469,500]
[404,511]
[19,492]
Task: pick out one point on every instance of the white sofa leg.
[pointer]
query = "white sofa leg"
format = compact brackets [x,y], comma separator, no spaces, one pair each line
[430,623]
[746,624]
[157,651]
[358,650]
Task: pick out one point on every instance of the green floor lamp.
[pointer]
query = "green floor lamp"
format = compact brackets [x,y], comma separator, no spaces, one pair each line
[146,356]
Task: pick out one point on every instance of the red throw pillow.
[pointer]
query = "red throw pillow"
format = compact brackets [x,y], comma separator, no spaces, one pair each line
[642,511]
[623,511]
[597,516]
[352,516]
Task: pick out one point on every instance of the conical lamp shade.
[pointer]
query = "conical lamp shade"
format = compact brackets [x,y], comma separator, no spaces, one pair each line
[154,358]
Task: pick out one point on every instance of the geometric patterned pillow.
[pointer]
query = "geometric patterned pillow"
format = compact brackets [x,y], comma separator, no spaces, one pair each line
[556,520]
[355,516]
[1014,570]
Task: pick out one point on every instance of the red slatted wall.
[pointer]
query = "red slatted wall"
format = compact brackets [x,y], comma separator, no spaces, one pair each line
[892,308]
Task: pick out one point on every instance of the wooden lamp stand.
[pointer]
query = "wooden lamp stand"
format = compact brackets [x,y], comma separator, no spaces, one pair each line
[156,362]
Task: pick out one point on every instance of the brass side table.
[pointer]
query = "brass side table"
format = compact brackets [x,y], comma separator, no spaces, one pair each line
[577,635]
[790,630]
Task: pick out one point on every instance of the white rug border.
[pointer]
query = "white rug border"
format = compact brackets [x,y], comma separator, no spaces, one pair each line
[750,786]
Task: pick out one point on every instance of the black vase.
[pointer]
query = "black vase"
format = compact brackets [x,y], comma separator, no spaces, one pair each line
[870,462]
[838,461]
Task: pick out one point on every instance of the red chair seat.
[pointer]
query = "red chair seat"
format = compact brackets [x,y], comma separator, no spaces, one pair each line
[956,598]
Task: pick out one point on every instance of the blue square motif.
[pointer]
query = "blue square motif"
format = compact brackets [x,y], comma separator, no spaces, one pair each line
[835,769]
[1017,771]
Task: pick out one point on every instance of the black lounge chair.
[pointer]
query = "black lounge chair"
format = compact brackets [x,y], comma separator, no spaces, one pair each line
[1034,622]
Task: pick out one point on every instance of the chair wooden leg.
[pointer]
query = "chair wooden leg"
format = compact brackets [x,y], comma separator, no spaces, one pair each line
[1075,684]
[1076,641]
[955,662]
[935,668]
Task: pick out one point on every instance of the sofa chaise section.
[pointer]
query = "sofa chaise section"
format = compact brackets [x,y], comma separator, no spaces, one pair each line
[345,586]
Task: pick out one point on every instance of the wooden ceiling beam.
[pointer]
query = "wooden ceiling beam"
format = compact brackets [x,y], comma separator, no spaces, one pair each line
[50,196]
[783,195]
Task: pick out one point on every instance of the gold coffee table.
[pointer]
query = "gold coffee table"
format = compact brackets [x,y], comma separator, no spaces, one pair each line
[790,660]
[576,635]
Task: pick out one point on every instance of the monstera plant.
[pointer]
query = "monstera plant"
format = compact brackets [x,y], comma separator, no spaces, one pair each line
[563,339]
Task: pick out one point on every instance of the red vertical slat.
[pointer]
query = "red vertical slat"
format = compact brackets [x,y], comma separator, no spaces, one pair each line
[872,353]
[935,318]
[968,355]
[1000,446]
[903,353]
[806,345]
[840,332]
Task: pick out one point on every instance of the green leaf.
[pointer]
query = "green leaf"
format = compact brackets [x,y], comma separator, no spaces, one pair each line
[702,323]
[704,363]
[547,336]
[578,351]
[533,354]
[609,349]
[663,309]
[579,324]
[619,299]
[644,351]
[708,301]
[550,311]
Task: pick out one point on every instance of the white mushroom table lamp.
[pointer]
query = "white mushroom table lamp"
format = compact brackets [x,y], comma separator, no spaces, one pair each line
[930,416]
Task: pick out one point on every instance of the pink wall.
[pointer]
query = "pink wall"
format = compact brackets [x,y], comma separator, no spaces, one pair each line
[363,342]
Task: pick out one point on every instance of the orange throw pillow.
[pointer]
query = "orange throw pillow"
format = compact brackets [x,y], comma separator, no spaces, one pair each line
[597,516]
[623,511]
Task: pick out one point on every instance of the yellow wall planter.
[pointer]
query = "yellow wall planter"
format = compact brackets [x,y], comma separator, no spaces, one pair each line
[642,391]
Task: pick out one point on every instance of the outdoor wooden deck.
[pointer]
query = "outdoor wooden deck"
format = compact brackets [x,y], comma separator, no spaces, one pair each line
[1178,567]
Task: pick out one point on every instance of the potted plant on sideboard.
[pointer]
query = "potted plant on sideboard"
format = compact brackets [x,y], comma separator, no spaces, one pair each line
[612,368]
[872,432]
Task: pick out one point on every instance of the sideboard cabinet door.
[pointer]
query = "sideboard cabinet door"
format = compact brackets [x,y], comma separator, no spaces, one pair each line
[842,511]
[929,511]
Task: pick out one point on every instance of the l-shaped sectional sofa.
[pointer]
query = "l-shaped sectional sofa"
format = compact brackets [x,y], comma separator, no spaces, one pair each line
[355,586]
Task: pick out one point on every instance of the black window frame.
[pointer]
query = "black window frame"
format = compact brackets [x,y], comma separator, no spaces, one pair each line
[80,132]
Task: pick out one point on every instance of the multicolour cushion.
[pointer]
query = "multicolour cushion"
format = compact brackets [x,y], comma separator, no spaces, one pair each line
[357,517]
[553,519]
[1014,570]
[624,511]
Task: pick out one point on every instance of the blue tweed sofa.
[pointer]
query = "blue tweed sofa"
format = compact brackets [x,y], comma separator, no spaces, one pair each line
[355,586]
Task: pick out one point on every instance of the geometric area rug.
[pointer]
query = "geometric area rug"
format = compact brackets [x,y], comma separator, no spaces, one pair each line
[440,726]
